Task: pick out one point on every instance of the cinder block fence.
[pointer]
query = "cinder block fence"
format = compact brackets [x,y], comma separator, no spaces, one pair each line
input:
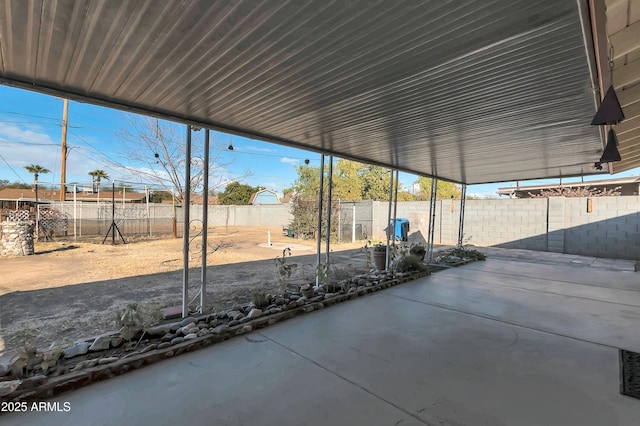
[557,224]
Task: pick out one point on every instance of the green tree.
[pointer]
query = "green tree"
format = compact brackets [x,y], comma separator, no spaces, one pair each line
[375,183]
[352,181]
[4,183]
[96,175]
[347,184]
[36,170]
[160,196]
[445,190]
[237,194]
[406,196]
[307,184]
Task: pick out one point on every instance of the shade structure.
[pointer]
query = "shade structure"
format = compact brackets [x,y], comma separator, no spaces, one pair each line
[467,91]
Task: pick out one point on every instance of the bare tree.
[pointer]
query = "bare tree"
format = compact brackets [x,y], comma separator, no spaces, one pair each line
[584,191]
[160,146]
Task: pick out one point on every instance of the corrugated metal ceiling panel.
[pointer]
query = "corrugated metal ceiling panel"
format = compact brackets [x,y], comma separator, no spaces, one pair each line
[623,28]
[469,91]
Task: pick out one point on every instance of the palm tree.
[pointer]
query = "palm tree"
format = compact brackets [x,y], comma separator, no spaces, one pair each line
[96,175]
[37,170]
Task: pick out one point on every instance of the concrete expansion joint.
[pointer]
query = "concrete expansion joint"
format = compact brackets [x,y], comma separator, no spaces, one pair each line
[346,379]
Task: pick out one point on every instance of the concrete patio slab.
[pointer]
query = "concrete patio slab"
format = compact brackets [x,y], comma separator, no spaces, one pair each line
[607,323]
[490,343]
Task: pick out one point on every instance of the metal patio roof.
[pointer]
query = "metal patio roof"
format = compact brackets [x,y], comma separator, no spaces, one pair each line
[623,34]
[469,91]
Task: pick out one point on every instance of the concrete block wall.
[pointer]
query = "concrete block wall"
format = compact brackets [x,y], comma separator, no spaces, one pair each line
[359,212]
[256,215]
[611,230]
[505,223]
[557,224]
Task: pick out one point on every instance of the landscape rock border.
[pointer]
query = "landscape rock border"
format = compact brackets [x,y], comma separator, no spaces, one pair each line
[196,334]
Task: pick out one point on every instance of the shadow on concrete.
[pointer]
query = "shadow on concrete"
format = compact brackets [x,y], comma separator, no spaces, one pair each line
[86,309]
[614,238]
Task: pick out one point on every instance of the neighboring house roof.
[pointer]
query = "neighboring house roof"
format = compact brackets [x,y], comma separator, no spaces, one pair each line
[197,199]
[106,196]
[628,185]
[44,194]
[264,196]
[286,198]
[28,194]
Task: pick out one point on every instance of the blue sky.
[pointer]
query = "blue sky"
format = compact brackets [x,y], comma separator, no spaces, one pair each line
[31,128]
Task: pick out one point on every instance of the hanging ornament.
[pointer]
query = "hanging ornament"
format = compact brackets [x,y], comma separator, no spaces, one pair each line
[609,112]
[611,152]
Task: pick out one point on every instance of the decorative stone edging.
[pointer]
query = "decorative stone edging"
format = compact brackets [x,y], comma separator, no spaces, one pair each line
[40,387]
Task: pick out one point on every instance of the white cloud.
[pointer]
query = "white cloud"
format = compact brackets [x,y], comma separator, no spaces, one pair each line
[271,185]
[14,133]
[21,146]
[257,148]
[289,160]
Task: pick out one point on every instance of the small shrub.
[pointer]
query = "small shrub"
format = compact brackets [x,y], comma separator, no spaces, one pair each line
[135,318]
[467,253]
[410,263]
[260,299]
[284,269]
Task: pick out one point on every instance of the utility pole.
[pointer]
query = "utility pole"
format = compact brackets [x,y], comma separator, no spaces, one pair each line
[63,156]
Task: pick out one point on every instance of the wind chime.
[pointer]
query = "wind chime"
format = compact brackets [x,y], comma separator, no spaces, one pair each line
[609,113]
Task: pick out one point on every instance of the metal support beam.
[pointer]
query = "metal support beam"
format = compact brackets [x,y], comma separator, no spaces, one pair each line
[319,236]
[389,224]
[432,218]
[186,204]
[75,212]
[330,193]
[461,224]
[395,206]
[63,153]
[205,221]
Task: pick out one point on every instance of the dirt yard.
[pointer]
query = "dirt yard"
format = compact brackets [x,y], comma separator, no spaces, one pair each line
[74,290]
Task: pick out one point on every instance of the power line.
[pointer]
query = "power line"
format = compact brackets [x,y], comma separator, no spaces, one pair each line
[29,122]
[27,143]
[11,168]
[30,115]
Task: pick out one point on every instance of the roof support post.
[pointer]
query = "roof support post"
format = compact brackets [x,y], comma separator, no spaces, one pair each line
[389,224]
[432,218]
[205,221]
[186,205]
[461,224]
[329,209]
[395,204]
[395,211]
[319,236]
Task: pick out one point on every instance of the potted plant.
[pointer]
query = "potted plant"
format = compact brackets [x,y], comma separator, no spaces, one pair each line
[380,256]
[418,250]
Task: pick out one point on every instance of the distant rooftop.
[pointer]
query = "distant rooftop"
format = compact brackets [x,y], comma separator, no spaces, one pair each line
[628,186]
